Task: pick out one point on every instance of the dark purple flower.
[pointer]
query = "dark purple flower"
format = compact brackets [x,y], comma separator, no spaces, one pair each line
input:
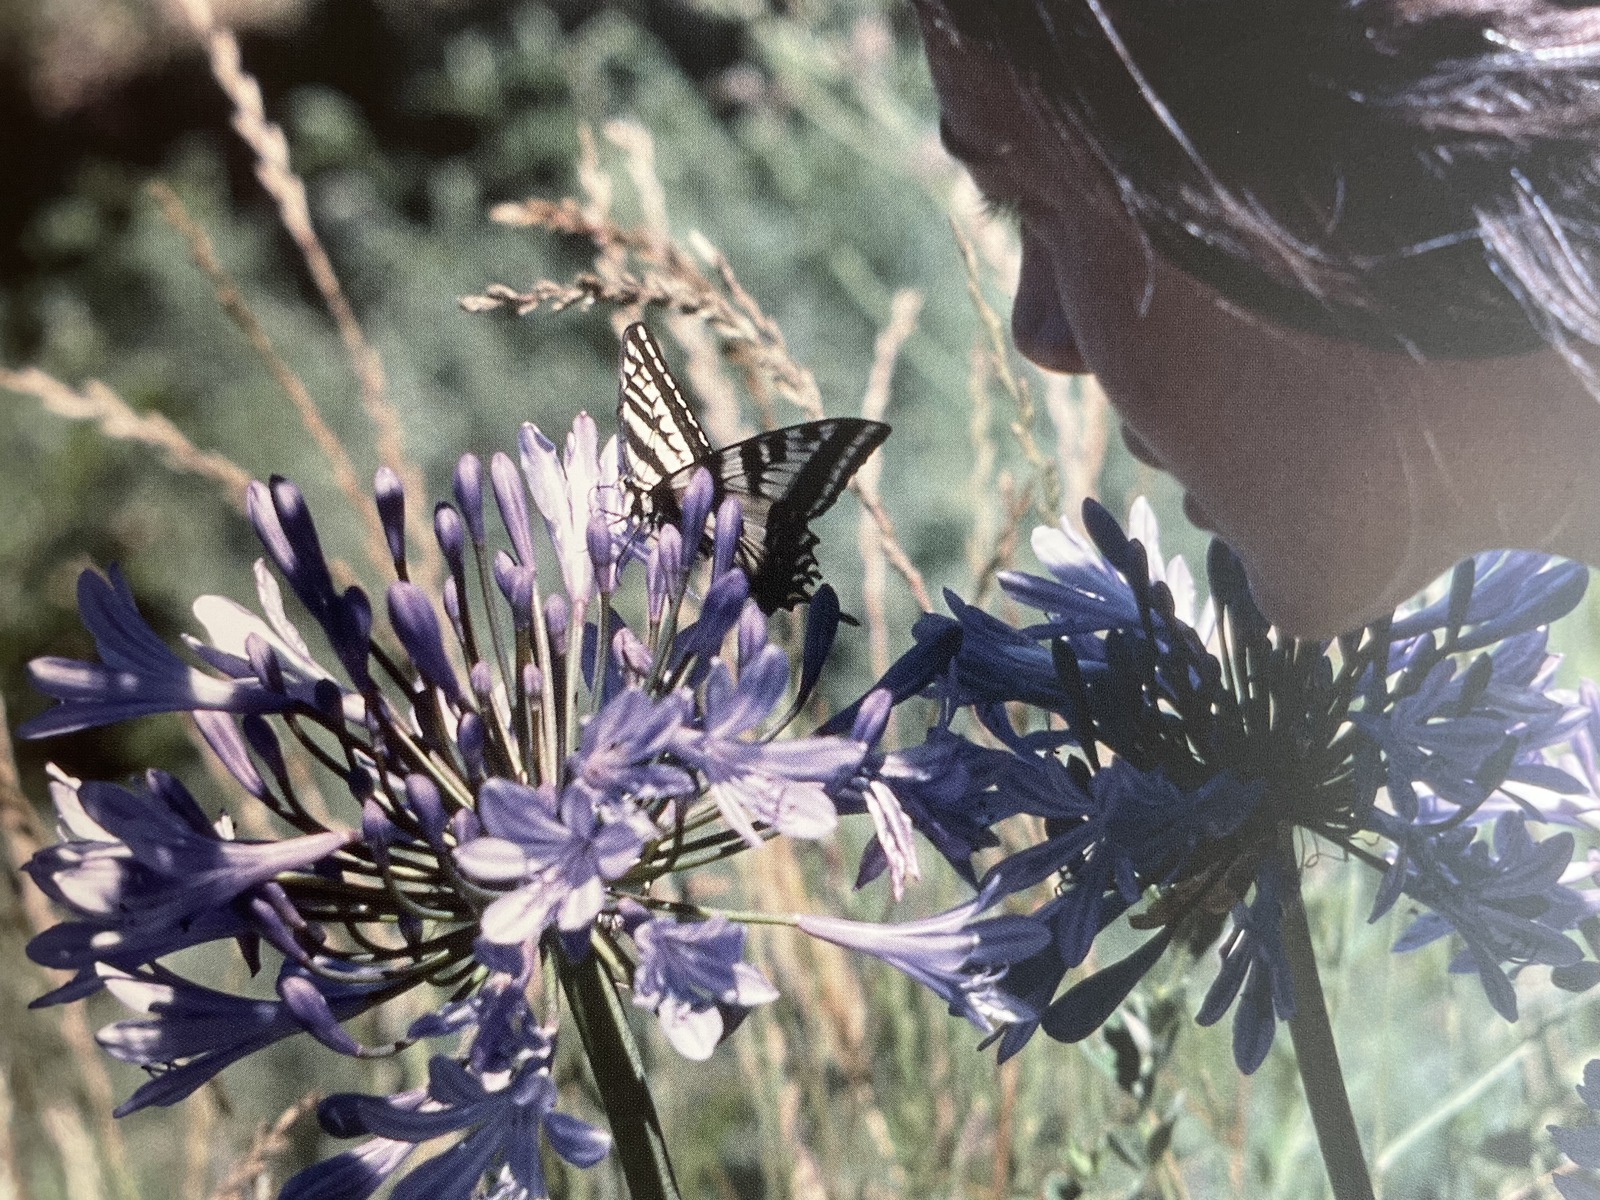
[1506,902]
[1255,971]
[1126,831]
[502,1116]
[1166,749]
[1462,734]
[937,641]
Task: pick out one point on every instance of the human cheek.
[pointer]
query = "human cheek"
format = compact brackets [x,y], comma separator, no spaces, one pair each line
[1038,326]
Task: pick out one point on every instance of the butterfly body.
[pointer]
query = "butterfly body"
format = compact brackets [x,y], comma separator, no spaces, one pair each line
[784,478]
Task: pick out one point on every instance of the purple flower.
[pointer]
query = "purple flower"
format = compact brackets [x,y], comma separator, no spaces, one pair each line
[957,956]
[558,856]
[145,874]
[1508,592]
[621,751]
[283,524]
[502,1114]
[776,784]
[1128,830]
[893,845]
[506,756]
[1167,745]
[1084,593]
[355,1174]
[194,1032]
[568,489]
[1506,902]
[925,788]
[691,972]
[137,674]
[1255,970]
[1463,734]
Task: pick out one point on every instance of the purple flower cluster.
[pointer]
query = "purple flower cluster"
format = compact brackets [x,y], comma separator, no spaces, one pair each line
[1171,757]
[516,796]
[522,789]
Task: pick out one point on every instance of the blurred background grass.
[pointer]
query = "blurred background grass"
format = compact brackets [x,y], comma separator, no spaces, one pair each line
[800,139]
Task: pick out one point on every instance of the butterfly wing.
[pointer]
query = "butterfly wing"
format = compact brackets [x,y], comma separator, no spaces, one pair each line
[785,479]
[661,438]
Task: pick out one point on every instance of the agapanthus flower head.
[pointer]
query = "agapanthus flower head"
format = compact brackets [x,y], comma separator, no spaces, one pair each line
[523,781]
[1177,752]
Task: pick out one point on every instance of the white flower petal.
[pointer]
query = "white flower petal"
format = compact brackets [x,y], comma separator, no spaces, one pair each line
[514,918]
[694,1033]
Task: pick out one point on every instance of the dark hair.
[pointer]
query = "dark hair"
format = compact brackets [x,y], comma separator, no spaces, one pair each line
[1416,174]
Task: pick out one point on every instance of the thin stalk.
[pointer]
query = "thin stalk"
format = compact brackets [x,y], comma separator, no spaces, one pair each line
[549,757]
[619,1077]
[497,637]
[662,649]
[602,652]
[701,911]
[574,673]
[1318,1059]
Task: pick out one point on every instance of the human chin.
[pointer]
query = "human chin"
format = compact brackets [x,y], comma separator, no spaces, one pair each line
[1318,587]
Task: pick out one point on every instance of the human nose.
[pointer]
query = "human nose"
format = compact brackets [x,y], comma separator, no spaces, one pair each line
[1038,326]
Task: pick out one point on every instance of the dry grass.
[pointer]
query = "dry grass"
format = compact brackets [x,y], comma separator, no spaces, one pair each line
[277,176]
[98,405]
[642,267]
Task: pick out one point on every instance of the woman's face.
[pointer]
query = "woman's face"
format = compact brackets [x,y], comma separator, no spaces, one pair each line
[1346,478]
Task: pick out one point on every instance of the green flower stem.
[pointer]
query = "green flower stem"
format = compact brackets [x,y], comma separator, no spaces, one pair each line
[619,1077]
[700,912]
[1318,1059]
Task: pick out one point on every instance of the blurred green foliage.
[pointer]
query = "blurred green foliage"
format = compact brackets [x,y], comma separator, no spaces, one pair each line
[807,153]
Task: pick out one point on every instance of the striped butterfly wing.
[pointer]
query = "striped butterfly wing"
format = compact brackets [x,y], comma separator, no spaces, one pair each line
[660,435]
[784,478]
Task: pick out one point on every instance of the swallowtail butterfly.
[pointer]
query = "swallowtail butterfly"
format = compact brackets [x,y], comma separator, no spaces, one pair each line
[784,479]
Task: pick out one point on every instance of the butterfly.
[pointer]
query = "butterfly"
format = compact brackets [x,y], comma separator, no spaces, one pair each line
[784,478]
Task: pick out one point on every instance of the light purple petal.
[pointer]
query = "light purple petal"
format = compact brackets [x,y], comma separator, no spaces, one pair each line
[492,860]
[518,916]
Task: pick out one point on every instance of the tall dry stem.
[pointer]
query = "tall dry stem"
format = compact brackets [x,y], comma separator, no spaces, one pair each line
[288,192]
[99,405]
[903,313]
